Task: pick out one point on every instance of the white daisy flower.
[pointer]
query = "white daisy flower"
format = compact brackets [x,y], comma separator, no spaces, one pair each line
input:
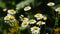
[24,24]
[11,11]
[32,21]
[40,23]
[9,17]
[57,9]
[27,8]
[35,29]
[50,4]
[6,18]
[38,16]
[24,19]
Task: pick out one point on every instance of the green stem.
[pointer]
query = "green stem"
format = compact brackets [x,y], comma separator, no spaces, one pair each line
[56,20]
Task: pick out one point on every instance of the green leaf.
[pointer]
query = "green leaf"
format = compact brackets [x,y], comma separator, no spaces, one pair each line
[2,4]
[23,3]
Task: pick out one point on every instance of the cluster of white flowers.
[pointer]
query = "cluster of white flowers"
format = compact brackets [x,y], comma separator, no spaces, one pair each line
[57,9]
[26,21]
[10,16]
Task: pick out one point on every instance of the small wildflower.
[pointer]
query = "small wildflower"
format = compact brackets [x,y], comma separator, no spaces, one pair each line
[38,16]
[40,23]
[10,18]
[24,24]
[27,8]
[50,4]
[35,29]
[32,21]
[11,11]
[57,9]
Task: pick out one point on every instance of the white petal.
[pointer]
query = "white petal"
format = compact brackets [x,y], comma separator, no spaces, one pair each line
[25,9]
[43,22]
[11,12]
[56,10]
[33,22]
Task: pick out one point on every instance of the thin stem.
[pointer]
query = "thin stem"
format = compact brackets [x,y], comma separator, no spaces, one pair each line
[56,20]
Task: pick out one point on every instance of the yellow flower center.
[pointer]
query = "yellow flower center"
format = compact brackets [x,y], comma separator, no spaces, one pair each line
[58,8]
[31,20]
[24,23]
[38,14]
[11,17]
[12,10]
[35,28]
[27,7]
[24,18]
[51,3]
[40,22]
[7,16]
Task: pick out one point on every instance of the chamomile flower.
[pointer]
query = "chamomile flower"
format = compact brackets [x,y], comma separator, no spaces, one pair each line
[27,8]
[57,9]
[50,4]
[32,21]
[40,23]
[35,29]
[6,18]
[25,24]
[24,19]
[11,11]
[38,16]
[9,17]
